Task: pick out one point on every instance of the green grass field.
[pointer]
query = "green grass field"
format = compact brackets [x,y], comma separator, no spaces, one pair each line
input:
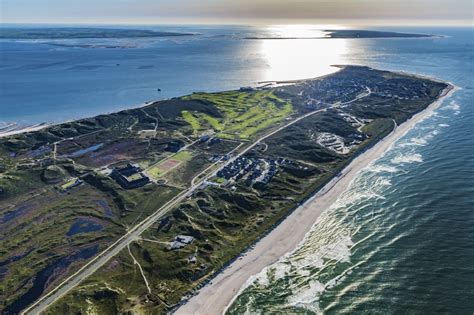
[192,120]
[161,168]
[183,156]
[244,113]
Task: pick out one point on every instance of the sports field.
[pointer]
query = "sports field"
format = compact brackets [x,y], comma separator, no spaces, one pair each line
[163,167]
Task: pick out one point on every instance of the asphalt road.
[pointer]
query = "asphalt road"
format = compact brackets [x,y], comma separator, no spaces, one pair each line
[135,232]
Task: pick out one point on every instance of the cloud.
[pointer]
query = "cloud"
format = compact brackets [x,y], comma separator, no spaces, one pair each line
[234,10]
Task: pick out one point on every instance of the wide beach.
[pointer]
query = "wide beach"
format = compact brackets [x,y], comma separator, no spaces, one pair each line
[225,287]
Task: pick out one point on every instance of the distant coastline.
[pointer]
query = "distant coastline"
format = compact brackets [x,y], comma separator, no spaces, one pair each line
[54,33]
[348,34]
[82,33]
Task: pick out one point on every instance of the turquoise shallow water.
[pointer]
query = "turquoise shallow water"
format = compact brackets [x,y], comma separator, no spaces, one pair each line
[401,239]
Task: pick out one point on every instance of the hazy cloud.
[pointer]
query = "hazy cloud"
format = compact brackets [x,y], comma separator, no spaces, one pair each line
[147,11]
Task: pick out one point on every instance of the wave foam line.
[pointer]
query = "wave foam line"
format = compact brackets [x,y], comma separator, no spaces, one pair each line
[218,295]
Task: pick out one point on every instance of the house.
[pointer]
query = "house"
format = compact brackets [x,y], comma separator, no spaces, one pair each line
[184,239]
[180,241]
[174,146]
[246,89]
[192,259]
[129,177]
[214,141]
[70,184]
[204,139]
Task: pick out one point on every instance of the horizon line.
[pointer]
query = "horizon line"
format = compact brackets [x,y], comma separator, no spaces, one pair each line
[190,23]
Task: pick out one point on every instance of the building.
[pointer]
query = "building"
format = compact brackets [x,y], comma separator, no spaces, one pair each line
[246,89]
[180,241]
[174,146]
[213,141]
[70,184]
[204,139]
[129,177]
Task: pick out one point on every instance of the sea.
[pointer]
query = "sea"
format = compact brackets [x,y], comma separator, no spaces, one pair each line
[400,240]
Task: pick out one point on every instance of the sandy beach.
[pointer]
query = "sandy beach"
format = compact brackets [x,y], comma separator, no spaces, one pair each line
[220,292]
[12,129]
[18,130]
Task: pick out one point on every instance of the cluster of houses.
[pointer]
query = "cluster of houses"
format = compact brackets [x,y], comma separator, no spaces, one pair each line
[262,175]
[332,90]
[344,87]
[352,120]
[335,143]
[402,89]
[256,171]
[237,169]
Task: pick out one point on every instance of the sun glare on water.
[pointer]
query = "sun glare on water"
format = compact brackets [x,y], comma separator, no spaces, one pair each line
[301,52]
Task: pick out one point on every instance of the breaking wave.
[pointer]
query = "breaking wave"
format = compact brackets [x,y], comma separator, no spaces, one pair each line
[296,277]
[307,297]
[407,158]
[454,107]
[419,141]
[383,168]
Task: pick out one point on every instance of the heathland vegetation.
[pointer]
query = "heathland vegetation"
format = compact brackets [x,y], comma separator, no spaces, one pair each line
[70,190]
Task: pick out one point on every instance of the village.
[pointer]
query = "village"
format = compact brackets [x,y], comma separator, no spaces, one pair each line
[254,171]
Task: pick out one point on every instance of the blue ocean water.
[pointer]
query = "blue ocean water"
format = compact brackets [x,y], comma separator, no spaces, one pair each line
[57,80]
[43,82]
[400,240]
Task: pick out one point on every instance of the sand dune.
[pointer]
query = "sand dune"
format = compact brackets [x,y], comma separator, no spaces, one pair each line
[218,294]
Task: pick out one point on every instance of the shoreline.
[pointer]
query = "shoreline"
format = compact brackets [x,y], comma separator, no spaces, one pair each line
[222,290]
[19,129]
[13,128]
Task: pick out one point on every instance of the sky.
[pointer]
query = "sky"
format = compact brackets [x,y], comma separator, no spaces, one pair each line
[357,12]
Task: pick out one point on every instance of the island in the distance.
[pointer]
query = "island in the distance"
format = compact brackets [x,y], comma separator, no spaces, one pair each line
[371,34]
[350,34]
[162,197]
[81,33]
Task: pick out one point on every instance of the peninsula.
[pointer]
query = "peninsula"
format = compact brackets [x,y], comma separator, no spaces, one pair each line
[137,210]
